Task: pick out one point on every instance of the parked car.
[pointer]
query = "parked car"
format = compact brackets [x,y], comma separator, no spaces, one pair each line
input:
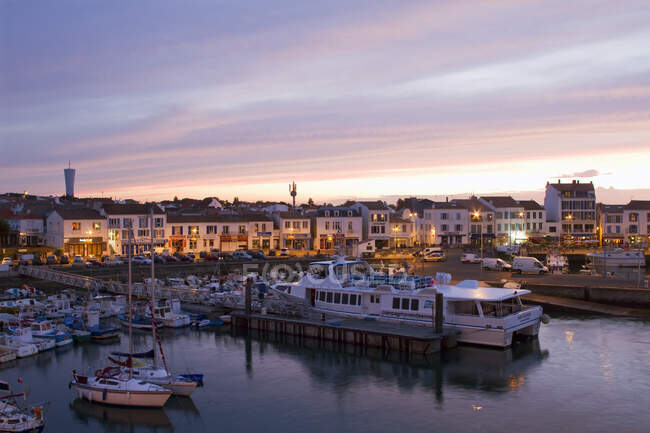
[241,255]
[212,257]
[36,261]
[435,256]
[528,264]
[284,252]
[7,261]
[470,258]
[93,262]
[493,264]
[170,259]
[257,255]
[51,260]
[64,260]
[78,260]
[158,259]
[184,258]
[141,260]
[226,256]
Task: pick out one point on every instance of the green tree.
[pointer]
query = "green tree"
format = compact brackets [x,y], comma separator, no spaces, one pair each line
[4,230]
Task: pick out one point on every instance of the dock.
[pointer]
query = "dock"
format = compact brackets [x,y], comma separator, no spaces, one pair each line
[587,306]
[412,339]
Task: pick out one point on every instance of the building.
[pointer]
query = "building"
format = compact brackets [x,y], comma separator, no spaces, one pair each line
[446,223]
[402,229]
[295,230]
[508,219]
[636,219]
[574,206]
[610,224]
[78,230]
[334,227]
[375,222]
[481,221]
[194,233]
[535,217]
[135,217]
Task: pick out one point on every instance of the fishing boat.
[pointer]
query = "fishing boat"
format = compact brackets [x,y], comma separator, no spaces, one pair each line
[113,386]
[617,257]
[44,330]
[88,321]
[24,335]
[78,336]
[17,419]
[21,349]
[489,316]
[168,317]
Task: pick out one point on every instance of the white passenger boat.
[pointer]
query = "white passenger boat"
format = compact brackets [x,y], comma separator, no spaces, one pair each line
[483,315]
[618,257]
[21,349]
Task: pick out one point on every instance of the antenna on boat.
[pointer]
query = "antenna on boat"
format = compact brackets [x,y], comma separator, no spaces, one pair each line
[130,310]
[153,298]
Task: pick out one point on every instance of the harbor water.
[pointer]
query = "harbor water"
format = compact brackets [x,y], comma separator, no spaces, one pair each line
[583,374]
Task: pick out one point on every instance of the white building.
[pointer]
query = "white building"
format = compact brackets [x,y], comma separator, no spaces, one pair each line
[79,231]
[535,217]
[574,206]
[375,222]
[509,219]
[122,218]
[336,227]
[295,230]
[611,223]
[636,219]
[28,228]
[447,223]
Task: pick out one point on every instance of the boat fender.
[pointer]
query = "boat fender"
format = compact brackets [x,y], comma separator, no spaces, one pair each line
[546,319]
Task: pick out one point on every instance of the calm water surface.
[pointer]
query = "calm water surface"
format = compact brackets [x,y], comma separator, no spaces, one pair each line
[584,374]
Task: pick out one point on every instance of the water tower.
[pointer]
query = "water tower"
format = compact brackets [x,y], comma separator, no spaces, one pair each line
[68,173]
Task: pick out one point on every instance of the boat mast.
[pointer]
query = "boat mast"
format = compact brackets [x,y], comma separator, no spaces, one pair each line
[153,298]
[130,310]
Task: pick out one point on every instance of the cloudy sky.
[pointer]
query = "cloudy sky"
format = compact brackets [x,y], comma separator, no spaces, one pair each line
[152,99]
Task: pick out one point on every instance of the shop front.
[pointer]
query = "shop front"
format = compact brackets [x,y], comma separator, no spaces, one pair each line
[85,247]
[235,242]
[488,239]
[262,241]
[298,241]
[177,243]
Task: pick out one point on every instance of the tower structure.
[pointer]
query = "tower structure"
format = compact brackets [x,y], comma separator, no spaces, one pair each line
[293,193]
[69,173]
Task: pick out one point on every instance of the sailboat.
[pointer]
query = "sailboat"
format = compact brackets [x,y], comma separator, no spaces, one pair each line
[114,386]
[155,374]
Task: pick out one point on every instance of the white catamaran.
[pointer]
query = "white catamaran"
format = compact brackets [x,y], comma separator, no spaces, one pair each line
[483,315]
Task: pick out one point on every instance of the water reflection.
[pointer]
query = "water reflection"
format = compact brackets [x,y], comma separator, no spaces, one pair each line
[339,366]
[121,419]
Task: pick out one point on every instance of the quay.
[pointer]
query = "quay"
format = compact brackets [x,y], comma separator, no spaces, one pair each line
[411,339]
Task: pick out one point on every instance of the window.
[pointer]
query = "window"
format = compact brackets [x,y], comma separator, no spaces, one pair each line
[257,227]
[329,297]
[457,216]
[405,303]
[337,298]
[395,303]
[443,216]
[224,230]
[634,217]
[633,228]
[344,298]
[349,225]
[192,244]
[618,229]
[327,226]
[158,222]
[264,227]
[527,226]
[403,228]
[336,213]
[350,213]
[337,225]
[211,242]
[415,304]
[143,233]
[205,243]
[499,228]
[528,215]
[76,226]
[489,228]
[540,227]
[499,215]
[327,213]
[143,222]
[177,230]
[127,223]
[459,228]
[444,227]
[551,229]
[609,229]
[242,230]
[296,224]
[287,224]
[353,299]
[97,226]
[305,224]
[125,234]
[114,223]
[193,230]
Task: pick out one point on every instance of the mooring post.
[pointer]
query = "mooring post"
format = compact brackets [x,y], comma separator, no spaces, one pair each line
[249,286]
[438,315]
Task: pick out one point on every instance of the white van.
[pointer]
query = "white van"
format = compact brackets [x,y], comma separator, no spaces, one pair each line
[494,264]
[470,258]
[528,264]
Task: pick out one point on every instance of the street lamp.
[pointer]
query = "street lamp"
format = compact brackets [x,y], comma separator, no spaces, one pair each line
[477,215]
[395,229]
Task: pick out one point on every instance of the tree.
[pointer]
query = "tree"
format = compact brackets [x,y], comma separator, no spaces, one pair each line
[310,202]
[401,204]
[4,230]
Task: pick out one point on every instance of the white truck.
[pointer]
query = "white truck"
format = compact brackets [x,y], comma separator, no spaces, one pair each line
[494,264]
[528,265]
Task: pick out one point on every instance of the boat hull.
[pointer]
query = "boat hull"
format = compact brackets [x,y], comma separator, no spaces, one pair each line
[122,398]
[178,387]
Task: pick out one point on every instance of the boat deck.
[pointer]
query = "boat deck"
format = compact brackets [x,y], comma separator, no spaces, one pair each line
[389,336]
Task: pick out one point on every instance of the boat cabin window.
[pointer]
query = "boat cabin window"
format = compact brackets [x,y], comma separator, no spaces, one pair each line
[395,303]
[466,307]
[329,297]
[353,299]
[337,298]
[344,298]
[405,303]
[321,296]
[318,271]
[415,304]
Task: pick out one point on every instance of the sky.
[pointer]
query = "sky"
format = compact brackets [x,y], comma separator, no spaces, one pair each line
[366,99]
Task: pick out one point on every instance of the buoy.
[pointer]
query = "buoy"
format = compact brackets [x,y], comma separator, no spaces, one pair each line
[546,319]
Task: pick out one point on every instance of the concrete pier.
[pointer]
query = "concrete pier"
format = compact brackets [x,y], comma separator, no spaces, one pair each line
[386,336]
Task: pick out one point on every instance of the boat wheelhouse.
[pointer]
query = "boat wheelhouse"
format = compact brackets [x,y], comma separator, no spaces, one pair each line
[482,315]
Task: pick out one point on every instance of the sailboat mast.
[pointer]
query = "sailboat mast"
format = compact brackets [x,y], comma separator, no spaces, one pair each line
[153,298]
[130,310]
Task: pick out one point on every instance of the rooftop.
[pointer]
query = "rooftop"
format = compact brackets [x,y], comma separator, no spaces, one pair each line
[78,213]
[501,201]
[572,186]
[638,205]
[130,209]
[531,205]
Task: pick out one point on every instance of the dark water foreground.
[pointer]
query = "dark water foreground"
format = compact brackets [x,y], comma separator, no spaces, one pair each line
[584,374]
